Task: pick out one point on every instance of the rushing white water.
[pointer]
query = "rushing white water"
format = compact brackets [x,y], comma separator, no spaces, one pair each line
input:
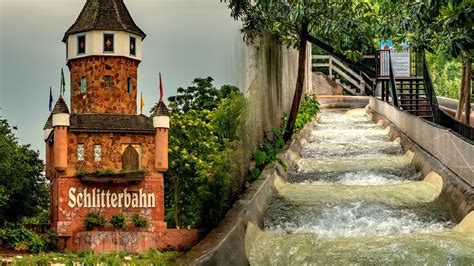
[354,219]
[355,198]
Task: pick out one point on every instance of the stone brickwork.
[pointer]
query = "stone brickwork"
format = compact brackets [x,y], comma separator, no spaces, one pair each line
[112,147]
[69,221]
[98,98]
[109,241]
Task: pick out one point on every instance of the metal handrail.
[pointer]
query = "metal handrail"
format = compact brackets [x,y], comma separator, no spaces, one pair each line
[393,86]
[429,90]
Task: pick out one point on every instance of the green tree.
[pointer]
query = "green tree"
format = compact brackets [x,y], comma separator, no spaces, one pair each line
[444,26]
[293,22]
[202,95]
[203,137]
[23,188]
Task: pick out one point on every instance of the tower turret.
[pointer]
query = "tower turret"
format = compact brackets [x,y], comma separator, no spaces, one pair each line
[103,50]
[60,123]
[161,122]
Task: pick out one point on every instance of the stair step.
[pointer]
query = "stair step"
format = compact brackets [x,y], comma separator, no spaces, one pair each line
[414,100]
[419,105]
[418,111]
[411,94]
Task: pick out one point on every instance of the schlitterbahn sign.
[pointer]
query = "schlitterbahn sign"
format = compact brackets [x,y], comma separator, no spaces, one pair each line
[97,198]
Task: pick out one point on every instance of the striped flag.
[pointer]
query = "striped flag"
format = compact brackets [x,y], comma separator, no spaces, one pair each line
[63,83]
[161,89]
[142,103]
[50,98]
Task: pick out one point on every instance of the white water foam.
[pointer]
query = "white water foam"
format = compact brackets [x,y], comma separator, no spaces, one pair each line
[355,219]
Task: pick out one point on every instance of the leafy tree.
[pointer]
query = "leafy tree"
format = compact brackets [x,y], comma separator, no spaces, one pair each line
[293,22]
[203,137]
[444,26]
[203,95]
[23,188]
[445,73]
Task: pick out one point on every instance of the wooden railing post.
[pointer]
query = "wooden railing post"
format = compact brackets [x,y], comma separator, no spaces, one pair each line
[330,67]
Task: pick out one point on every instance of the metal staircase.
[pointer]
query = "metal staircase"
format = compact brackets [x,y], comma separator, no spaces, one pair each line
[411,94]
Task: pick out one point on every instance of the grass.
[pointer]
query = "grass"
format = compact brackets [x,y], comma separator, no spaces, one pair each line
[152,257]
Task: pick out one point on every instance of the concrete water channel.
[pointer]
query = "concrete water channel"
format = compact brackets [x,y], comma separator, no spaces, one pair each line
[356,197]
[352,188]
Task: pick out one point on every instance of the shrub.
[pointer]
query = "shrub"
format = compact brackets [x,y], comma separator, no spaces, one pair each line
[94,219]
[139,221]
[118,221]
[22,239]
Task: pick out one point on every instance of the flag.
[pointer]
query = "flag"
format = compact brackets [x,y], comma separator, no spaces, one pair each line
[161,89]
[142,103]
[50,98]
[63,83]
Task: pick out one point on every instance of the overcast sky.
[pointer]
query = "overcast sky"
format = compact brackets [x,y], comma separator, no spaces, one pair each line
[185,39]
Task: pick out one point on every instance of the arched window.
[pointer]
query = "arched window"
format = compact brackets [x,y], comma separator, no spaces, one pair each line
[130,158]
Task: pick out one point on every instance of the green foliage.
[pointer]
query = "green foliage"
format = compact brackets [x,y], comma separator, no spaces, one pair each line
[347,25]
[203,144]
[118,221]
[267,152]
[202,96]
[229,115]
[437,26]
[308,109]
[152,257]
[94,219]
[23,187]
[22,239]
[139,221]
[445,75]
[260,157]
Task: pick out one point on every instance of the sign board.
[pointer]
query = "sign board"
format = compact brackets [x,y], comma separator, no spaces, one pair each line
[400,63]
[97,198]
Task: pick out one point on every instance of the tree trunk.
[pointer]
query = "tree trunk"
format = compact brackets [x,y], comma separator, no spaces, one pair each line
[299,82]
[464,104]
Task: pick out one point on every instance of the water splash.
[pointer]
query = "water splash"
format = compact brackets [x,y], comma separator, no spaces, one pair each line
[354,219]
[354,199]
[363,177]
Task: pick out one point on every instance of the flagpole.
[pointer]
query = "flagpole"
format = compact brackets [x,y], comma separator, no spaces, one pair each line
[161,89]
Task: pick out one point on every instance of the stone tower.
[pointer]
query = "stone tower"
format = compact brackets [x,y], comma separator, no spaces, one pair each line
[101,156]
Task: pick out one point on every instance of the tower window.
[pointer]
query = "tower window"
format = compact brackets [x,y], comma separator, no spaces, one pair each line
[83,85]
[81,44]
[80,152]
[108,82]
[129,85]
[97,152]
[132,46]
[108,42]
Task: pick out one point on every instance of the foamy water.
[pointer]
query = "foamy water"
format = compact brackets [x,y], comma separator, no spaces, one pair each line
[355,198]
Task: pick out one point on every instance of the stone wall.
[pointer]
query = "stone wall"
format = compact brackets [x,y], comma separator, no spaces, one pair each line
[112,147]
[98,98]
[269,82]
[454,152]
[323,85]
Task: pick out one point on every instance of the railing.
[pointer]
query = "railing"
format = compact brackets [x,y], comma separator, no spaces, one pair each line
[430,93]
[336,66]
[441,117]
[393,86]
